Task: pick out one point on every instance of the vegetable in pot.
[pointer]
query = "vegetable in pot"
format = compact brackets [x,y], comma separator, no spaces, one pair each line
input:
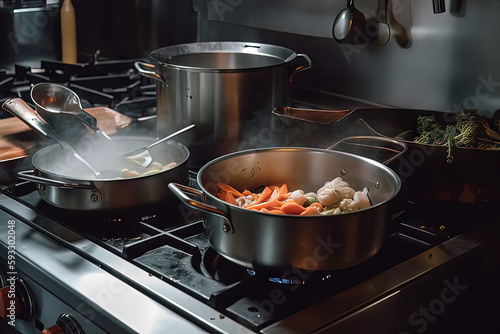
[153,168]
[335,197]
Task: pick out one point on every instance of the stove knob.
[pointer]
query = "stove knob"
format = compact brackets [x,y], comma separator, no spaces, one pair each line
[66,324]
[15,300]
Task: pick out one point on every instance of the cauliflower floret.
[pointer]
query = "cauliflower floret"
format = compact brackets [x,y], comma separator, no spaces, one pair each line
[361,197]
[334,191]
[359,201]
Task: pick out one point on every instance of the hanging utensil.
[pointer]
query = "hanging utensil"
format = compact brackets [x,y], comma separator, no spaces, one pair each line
[53,98]
[23,111]
[142,156]
[438,6]
[348,23]
[384,30]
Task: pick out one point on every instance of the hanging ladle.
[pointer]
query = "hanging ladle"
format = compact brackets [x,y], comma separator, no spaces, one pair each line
[25,113]
[384,30]
[348,23]
[53,98]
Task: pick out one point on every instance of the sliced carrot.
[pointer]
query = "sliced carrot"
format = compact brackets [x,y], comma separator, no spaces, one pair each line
[228,188]
[235,194]
[275,211]
[266,193]
[283,189]
[292,208]
[317,205]
[247,192]
[311,211]
[230,199]
[267,205]
[283,193]
[284,196]
[275,193]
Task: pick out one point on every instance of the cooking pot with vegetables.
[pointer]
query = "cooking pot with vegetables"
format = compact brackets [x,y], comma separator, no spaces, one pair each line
[221,87]
[256,239]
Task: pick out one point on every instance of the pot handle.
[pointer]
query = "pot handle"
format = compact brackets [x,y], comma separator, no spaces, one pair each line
[139,66]
[303,67]
[179,191]
[392,145]
[29,175]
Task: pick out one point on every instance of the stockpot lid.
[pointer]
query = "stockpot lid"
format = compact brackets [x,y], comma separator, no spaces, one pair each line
[222,56]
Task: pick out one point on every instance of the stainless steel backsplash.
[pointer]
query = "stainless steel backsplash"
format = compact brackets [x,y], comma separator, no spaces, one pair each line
[432,61]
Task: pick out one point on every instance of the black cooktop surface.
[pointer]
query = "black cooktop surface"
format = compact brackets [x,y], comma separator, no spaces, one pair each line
[169,242]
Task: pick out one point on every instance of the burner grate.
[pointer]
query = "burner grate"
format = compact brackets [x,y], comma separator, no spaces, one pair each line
[114,84]
[163,244]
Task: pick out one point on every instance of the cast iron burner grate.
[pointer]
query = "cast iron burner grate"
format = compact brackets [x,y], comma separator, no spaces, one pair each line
[109,83]
[223,270]
[162,243]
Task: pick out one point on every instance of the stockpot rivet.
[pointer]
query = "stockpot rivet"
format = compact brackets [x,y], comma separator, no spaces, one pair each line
[94,197]
[226,227]
[343,171]
[377,185]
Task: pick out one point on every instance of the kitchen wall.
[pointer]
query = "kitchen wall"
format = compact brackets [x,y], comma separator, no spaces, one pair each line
[132,28]
[432,61]
[29,31]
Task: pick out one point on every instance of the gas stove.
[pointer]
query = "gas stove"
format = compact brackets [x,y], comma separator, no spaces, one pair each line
[152,269]
[110,83]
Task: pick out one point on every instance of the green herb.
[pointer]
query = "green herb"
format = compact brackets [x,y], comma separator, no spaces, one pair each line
[470,130]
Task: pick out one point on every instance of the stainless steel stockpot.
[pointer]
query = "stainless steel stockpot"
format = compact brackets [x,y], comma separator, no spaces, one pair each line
[254,239]
[220,87]
[64,182]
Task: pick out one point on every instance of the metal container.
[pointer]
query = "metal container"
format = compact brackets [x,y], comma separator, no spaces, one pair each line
[66,183]
[220,87]
[30,32]
[471,178]
[255,239]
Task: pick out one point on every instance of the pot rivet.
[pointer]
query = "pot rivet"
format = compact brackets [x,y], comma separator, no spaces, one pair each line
[226,228]
[343,171]
[377,185]
[94,197]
